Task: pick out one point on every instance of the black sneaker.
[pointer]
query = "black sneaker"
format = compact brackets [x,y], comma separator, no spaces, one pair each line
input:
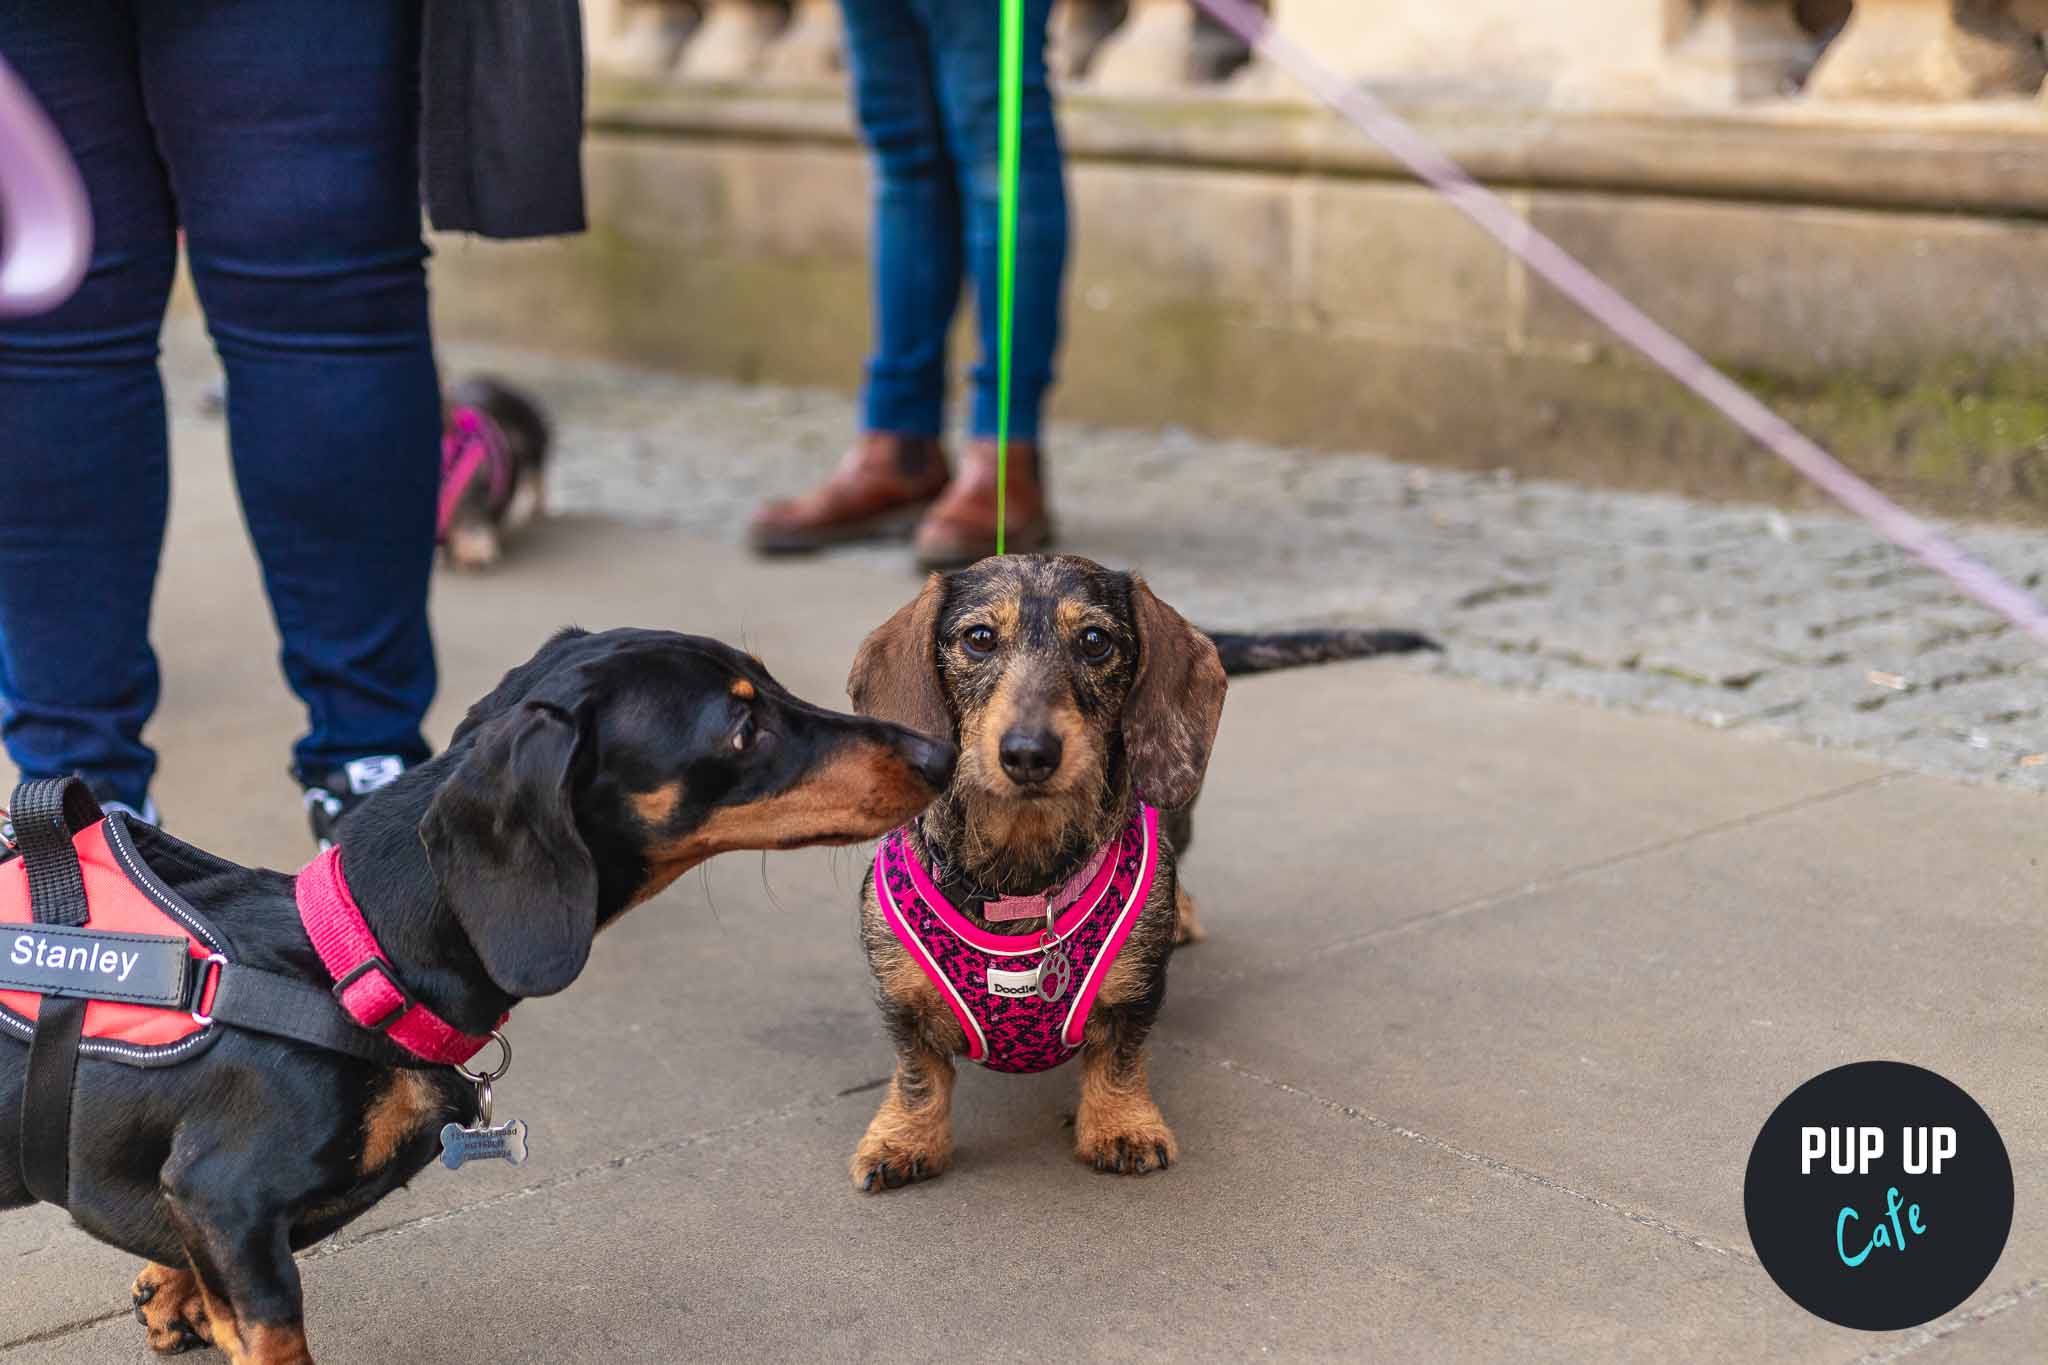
[341,791]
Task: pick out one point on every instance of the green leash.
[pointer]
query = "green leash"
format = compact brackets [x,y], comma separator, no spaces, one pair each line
[1006,250]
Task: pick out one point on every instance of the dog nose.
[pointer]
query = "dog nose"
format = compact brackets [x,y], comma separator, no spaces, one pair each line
[931,759]
[1029,756]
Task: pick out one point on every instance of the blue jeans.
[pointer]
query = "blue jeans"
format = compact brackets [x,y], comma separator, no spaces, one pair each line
[280,135]
[925,88]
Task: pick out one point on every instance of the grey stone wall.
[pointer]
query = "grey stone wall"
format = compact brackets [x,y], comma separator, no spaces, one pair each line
[1254,269]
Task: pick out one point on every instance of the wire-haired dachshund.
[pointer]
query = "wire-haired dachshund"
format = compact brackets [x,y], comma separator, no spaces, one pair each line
[592,777]
[1074,693]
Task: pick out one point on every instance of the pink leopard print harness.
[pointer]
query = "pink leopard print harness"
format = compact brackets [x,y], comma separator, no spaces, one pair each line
[992,981]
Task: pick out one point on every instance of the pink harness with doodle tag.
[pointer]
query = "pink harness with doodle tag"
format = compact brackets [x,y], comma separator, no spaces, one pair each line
[1022,999]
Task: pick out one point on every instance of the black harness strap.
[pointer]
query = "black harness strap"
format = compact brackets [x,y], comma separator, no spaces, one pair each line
[46,814]
[285,1007]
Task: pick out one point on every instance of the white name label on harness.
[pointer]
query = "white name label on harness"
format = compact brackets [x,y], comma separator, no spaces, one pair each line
[72,957]
[95,964]
[1013,985]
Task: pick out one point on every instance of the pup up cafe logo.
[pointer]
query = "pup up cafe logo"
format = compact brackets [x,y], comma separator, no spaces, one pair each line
[1879,1196]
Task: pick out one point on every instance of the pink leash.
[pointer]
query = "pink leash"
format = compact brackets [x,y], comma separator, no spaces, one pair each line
[470,443]
[48,239]
[1630,323]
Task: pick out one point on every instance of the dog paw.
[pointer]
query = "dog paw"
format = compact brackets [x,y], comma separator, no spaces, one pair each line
[1132,1149]
[472,546]
[878,1166]
[169,1304]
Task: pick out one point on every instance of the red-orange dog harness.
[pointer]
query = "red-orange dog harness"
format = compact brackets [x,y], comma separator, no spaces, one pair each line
[99,957]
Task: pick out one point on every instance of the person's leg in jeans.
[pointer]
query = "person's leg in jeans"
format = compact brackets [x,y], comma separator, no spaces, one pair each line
[84,479]
[967,40]
[917,248]
[897,467]
[290,130]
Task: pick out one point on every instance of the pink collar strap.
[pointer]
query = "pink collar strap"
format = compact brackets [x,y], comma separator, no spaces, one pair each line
[1005,908]
[365,983]
[1018,1009]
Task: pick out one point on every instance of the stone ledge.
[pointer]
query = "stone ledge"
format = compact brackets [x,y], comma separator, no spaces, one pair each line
[1988,158]
[1241,294]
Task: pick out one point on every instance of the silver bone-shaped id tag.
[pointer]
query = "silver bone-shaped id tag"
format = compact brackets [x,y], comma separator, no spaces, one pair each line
[505,1142]
[483,1140]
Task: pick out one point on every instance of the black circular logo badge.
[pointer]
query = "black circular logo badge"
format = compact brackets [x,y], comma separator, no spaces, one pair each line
[1879,1196]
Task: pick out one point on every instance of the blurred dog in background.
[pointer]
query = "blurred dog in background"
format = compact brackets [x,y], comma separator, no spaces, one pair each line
[494,449]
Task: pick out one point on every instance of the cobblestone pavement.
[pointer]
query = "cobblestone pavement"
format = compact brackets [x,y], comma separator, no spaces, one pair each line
[1802,623]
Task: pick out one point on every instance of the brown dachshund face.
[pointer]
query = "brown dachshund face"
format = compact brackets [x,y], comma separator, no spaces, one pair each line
[1036,658]
[1061,680]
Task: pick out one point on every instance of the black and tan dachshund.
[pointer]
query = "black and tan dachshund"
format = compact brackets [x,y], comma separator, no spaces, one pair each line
[1071,690]
[591,778]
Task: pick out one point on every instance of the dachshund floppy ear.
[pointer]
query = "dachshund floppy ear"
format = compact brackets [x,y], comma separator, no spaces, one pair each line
[524,680]
[1175,704]
[896,673]
[501,838]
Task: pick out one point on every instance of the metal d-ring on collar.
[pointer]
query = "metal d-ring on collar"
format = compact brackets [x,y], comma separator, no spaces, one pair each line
[482,1080]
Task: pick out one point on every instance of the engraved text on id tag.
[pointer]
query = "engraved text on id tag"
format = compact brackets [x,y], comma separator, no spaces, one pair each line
[505,1142]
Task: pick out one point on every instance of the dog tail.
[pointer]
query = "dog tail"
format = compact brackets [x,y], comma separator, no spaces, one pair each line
[1264,652]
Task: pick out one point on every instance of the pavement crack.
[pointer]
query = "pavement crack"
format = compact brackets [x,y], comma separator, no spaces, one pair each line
[1500,592]
[1934,1333]
[651,1152]
[1480,1159]
[66,1329]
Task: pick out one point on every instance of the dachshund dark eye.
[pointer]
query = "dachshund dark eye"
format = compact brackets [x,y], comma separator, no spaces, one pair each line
[743,737]
[980,641]
[1096,646]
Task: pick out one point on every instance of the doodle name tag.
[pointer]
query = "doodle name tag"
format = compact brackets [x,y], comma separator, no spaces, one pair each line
[505,1142]
[1013,985]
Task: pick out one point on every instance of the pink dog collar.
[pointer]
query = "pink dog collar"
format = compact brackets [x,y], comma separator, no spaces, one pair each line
[365,983]
[991,981]
[1005,908]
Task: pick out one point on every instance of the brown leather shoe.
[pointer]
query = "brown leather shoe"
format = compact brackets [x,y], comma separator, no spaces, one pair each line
[961,528]
[878,490]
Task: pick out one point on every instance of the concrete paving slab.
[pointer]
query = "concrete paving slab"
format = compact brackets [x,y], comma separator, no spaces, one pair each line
[1432,792]
[1289,1232]
[1628,1030]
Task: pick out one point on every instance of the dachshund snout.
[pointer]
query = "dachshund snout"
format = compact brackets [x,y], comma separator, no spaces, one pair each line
[932,760]
[1029,756]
